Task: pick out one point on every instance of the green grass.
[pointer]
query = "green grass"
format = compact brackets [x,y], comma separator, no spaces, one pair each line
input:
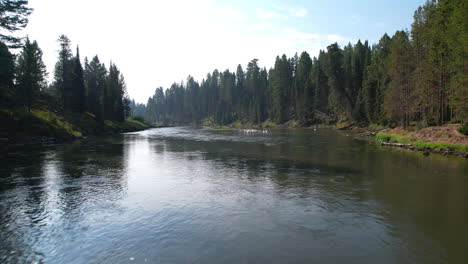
[57,121]
[269,124]
[20,124]
[133,125]
[223,128]
[129,125]
[375,127]
[139,118]
[238,124]
[399,138]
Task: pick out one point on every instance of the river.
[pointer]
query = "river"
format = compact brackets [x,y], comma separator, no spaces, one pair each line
[188,195]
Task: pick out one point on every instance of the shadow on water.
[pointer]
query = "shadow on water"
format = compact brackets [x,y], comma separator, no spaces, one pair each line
[46,190]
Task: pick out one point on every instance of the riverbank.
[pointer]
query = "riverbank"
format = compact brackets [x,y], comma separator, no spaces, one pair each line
[42,126]
[445,140]
[266,125]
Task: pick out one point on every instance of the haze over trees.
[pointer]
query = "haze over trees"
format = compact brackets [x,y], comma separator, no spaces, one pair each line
[418,75]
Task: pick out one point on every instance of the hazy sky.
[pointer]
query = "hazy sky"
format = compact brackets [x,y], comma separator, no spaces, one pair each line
[156,43]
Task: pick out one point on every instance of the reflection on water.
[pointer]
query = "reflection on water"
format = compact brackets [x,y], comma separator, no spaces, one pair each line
[185,195]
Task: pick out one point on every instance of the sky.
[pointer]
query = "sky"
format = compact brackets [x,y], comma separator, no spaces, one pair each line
[156,43]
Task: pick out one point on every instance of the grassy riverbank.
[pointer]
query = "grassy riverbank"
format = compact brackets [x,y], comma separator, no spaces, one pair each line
[447,139]
[22,125]
[440,138]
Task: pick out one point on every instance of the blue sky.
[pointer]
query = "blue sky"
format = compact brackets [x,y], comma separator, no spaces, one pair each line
[156,43]
[362,19]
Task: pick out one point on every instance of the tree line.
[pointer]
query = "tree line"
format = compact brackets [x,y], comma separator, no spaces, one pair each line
[94,89]
[418,75]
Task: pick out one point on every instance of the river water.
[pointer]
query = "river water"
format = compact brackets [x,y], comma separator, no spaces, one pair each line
[187,195]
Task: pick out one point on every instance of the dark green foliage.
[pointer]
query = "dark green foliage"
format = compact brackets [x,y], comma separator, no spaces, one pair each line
[281,78]
[339,85]
[400,93]
[440,39]
[13,17]
[116,93]
[320,83]
[359,63]
[255,91]
[304,95]
[464,129]
[78,103]
[7,74]
[31,73]
[138,118]
[63,74]
[95,81]
[376,81]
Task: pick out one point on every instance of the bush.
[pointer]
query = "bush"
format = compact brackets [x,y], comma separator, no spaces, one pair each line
[138,118]
[464,129]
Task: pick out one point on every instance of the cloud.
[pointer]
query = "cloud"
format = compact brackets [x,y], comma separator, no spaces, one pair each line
[229,13]
[280,12]
[341,40]
[297,35]
[291,11]
[264,14]
[298,12]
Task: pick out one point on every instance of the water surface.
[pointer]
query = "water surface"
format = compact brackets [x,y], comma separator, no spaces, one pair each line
[187,195]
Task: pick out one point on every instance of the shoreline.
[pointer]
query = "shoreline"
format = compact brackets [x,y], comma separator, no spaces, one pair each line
[426,150]
[46,140]
[45,127]
[444,140]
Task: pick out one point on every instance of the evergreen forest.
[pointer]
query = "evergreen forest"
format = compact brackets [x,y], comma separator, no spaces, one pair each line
[417,76]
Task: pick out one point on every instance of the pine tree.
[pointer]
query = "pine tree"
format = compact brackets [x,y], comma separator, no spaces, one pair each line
[304,90]
[95,82]
[280,84]
[320,82]
[7,75]
[78,85]
[399,95]
[122,103]
[63,73]
[13,17]
[112,94]
[457,43]
[241,98]
[252,83]
[376,81]
[339,100]
[31,73]
[360,60]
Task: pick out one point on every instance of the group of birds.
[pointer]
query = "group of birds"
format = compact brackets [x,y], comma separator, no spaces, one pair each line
[254,131]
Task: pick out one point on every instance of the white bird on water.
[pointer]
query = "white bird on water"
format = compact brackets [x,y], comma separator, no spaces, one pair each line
[254,131]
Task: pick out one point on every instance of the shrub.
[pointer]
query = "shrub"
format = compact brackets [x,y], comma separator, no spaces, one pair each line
[138,118]
[464,129]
